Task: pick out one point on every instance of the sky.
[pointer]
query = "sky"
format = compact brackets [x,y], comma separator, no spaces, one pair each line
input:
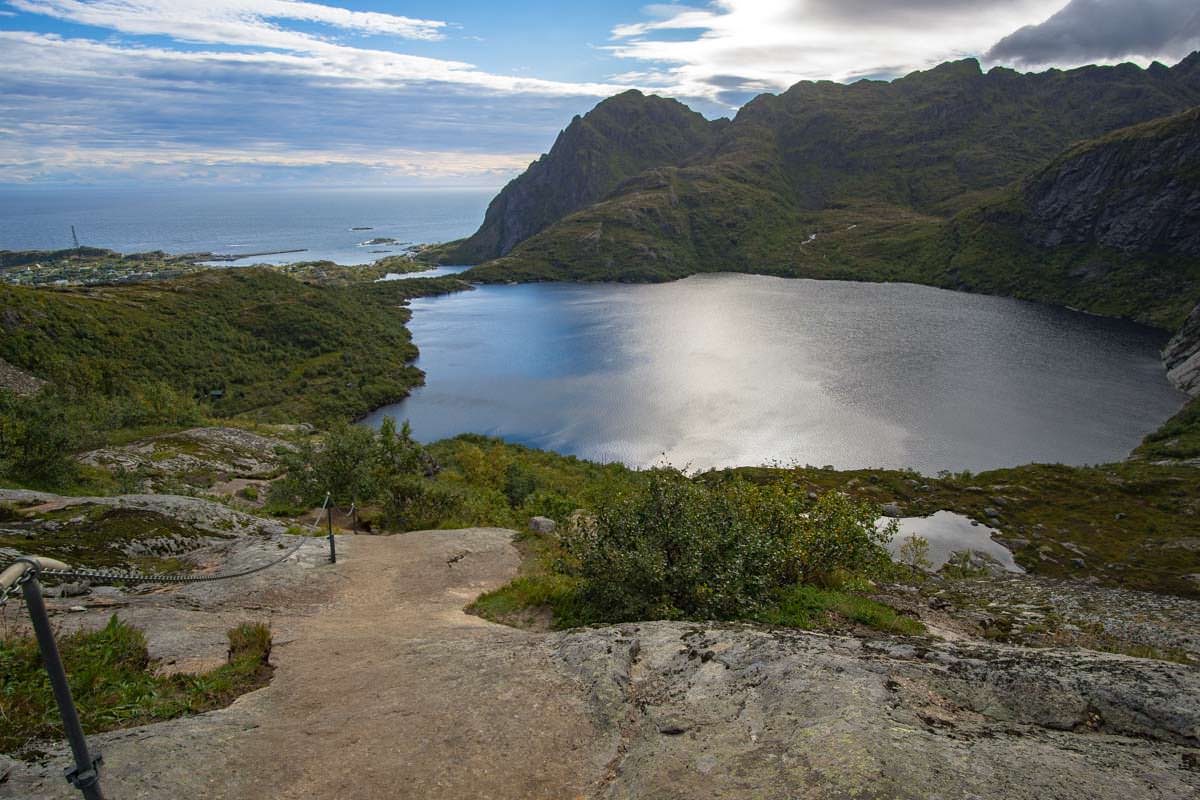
[421,94]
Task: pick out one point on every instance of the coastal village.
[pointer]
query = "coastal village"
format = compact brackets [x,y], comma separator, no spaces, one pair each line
[93,266]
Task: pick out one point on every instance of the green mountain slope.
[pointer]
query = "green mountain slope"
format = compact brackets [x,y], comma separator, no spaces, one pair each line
[868,169]
[272,347]
[618,139]
[1112,225]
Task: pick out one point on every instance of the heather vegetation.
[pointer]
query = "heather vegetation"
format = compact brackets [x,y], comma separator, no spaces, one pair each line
[247,343]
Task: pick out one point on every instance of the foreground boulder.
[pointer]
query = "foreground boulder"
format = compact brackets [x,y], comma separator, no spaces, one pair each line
[732,712]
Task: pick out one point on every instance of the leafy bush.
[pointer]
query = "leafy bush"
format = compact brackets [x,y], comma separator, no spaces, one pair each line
[547,503]
[914,553]
[681,549]
[354,463]
[415,503]
[38,436]
[519,482]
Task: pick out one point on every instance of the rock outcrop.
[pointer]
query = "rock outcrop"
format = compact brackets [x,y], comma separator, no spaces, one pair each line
[1182,355]
[198,457]
[18,381]
[729,712]
[377,664]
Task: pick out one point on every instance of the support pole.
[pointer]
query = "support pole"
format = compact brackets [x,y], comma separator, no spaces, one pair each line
[85,775]
[332,543]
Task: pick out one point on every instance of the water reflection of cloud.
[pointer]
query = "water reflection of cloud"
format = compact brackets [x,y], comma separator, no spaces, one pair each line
[723,370]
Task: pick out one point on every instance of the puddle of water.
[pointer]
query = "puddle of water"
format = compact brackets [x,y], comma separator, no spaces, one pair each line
[949,533]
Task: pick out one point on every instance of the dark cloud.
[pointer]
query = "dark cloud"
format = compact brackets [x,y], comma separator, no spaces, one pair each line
[890,10]
[1090,30]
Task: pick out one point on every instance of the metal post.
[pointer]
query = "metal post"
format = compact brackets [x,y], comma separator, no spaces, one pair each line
[332,543]
[85,775]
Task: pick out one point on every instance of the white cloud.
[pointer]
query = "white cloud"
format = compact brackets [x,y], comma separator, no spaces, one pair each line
[740,46]
[23,163]
[248,24]
[78,109]
[226,21]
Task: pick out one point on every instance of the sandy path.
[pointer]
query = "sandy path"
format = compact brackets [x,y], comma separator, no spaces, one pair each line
[389,690]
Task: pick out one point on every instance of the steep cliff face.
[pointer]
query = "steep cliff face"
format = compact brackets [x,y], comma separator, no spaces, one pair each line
[1137,190]
[1182,355]
[615,141]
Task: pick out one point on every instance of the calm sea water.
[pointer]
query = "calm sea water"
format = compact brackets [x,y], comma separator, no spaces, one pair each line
[721,370]
[239,220]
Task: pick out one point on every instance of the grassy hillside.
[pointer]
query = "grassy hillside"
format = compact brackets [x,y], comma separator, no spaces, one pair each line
[245,342]
[891,158]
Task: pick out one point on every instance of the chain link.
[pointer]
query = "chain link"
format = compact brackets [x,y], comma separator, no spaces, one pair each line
[130,576]
[102,576]
[16,587]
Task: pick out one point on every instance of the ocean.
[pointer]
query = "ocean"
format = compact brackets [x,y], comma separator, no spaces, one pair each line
[320,222]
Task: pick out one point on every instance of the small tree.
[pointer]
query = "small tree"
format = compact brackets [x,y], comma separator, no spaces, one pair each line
[354,464]
[914,553]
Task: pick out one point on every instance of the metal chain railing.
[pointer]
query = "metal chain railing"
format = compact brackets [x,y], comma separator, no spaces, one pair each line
[22,576]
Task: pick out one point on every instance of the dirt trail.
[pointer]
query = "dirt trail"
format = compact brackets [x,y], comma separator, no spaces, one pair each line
[388,690]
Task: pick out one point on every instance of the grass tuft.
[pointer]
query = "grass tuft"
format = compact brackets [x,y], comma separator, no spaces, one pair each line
[114,683]
[814,608]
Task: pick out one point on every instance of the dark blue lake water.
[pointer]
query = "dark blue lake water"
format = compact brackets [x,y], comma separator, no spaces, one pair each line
[720,370]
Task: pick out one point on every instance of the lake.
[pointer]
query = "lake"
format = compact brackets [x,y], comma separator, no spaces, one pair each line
[721,370]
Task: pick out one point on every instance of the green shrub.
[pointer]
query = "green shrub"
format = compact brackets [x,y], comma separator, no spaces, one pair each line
[914,553]
[681,549]
[519,482]
[546,503]
[38,437]
[416,503]
[354,463]
[479,468]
